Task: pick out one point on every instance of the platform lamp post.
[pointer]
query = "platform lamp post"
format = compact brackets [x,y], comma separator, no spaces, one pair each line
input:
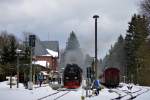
[18,54]
[95,17]
[31,44]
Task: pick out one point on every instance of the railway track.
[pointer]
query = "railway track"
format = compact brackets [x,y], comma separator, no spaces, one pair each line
[138,94]
[54,95]
[132,95]
[62,95]
[41,86]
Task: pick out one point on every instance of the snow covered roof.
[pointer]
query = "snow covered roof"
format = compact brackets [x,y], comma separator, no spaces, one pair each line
[46,48]
[44,73]
[52,53]
[41,63]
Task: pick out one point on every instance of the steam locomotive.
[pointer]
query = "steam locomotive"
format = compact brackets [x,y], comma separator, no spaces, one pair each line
[72,76]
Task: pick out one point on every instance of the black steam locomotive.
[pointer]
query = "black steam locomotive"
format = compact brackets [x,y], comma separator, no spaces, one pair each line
[72,76]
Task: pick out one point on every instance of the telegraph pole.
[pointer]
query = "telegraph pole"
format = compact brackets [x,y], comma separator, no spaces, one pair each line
[96,17]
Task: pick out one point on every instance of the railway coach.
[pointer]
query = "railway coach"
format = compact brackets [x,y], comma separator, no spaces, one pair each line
[111,77]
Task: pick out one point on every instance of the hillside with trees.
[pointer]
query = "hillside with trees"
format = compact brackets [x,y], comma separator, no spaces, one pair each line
[131,54]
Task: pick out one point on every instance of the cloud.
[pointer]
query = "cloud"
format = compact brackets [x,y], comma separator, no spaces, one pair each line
[55,19]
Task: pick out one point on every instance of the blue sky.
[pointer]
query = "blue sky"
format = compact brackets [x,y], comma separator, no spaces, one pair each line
[55,19]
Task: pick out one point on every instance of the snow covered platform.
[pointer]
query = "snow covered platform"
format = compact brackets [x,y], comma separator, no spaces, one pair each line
[46,93]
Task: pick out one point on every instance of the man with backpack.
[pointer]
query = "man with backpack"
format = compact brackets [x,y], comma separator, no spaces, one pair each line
[96,86]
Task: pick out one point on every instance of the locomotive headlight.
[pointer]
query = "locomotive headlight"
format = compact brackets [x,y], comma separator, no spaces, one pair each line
[75,77]
[67,77]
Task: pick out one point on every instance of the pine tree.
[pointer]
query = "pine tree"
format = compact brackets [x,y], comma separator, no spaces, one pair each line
[129,56]
[12,49]
[120,55]
[9,50]
[5,55]
[72,43]
[136,36]
[145,7]
[143,64]
[8,55]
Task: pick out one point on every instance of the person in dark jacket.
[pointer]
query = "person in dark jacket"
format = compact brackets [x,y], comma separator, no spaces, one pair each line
[26,82]
[40,77]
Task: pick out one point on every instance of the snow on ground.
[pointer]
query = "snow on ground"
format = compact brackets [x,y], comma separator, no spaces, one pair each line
[24,94]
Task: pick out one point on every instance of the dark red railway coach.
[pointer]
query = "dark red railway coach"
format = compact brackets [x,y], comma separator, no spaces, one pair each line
[111,77]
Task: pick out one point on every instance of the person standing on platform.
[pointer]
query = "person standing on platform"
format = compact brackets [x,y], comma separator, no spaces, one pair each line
[40,78]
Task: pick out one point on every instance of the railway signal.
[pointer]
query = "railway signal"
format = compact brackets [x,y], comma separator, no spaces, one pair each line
[32,39]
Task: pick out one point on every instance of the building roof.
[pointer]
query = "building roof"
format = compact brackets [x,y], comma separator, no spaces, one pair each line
[50,48]
[51,45]
[52,53]
[39,48]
